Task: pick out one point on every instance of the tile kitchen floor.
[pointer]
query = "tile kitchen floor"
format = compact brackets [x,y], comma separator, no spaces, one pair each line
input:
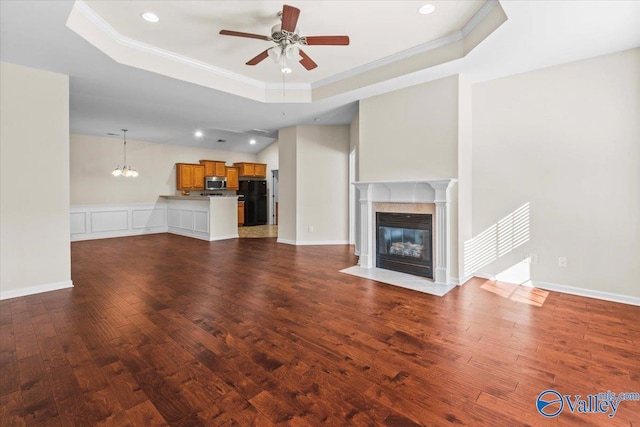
[258,231]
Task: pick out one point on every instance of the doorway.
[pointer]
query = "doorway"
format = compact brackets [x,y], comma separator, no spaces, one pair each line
[274,197]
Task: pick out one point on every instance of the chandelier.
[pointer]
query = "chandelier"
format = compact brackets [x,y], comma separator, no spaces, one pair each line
[124,170]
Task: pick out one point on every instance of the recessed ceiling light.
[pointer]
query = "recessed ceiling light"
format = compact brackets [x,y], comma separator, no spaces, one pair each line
[426,9]
[150,17]
[252,141]
[198,134]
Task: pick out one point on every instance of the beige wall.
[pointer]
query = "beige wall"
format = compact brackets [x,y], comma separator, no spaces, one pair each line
[413,134]
[566,140]
[288,185]
[93,158]
[314,164]
[464,187]
[322,193]
[34,180]
[410,133]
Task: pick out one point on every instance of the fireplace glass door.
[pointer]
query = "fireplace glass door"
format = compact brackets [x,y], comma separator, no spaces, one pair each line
[404,243]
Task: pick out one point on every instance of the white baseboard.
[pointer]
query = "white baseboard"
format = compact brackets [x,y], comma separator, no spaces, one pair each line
[286,241]
[189,233]
[589,293]
[312,242]
[112,235]
[15,293]
[582,292]
[226,237]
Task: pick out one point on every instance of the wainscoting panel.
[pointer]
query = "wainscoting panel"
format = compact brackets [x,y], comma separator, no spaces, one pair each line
[186,220]
[201,221]
[78,223]
[115,220]
[105,221]
[149,218]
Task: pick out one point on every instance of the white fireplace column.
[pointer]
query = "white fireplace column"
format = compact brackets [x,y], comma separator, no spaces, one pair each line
[424,191]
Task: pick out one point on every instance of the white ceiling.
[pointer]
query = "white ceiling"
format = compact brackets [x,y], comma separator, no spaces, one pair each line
[107,96]
[377,29]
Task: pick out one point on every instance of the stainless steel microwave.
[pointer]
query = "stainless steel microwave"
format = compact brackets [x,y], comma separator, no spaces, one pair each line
[215,183]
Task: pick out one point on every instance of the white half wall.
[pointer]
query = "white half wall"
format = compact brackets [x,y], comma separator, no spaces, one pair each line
[565,140]
[34,181]
[106,221]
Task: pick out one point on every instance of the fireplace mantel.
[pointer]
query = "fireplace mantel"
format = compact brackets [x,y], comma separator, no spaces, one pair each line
[434,191]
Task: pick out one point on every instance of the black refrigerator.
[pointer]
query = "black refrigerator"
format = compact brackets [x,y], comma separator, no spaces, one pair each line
[255,201]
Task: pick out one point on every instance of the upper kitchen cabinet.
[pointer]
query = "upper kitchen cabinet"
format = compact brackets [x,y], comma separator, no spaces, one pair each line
[190,176]
[214,167]
[232,178]
[257,170]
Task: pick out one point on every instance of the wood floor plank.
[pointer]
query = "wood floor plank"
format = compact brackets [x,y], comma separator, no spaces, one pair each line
[166,330]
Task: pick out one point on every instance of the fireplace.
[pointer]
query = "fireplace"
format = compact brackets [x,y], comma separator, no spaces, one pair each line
[427,191]
[403,243]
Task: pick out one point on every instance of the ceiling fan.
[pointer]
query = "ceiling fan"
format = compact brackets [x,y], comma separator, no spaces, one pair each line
[287,39]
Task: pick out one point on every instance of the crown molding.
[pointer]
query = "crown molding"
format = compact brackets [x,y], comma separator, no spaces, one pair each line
[478,17]
[475,20]
[112,33]
[263,91]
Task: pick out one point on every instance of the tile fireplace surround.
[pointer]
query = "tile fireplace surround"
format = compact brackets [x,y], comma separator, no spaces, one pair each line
[408,193]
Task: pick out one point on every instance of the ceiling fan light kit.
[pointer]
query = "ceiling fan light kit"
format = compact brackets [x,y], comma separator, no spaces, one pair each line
[287,38]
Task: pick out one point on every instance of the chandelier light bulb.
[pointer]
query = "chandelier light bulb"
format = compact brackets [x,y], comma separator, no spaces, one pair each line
[126,171]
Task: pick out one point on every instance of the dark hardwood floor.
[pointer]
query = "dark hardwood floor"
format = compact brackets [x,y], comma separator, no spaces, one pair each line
[167,330]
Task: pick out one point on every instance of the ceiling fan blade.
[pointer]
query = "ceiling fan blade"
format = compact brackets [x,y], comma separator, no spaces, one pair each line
[290,16]
[306,61]
[328,40]
[247,35]
[258,58]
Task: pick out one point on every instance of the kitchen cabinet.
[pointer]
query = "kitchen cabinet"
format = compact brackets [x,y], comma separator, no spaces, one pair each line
[232,178]
[189,176]
[261,170]
[214,167]
[240,213]
[256,170]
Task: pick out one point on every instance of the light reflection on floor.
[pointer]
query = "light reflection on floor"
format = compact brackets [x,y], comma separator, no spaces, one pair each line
[518,293]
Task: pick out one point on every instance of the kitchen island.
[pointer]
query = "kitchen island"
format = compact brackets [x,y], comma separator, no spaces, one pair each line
[203,217]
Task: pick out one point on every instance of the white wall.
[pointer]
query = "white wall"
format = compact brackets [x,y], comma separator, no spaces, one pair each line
[93,158]
[323,189]
[411,134]
[566,140]
[270,156]
[34,181]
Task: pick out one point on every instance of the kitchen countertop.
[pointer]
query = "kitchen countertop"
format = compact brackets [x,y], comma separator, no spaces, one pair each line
[198,197]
